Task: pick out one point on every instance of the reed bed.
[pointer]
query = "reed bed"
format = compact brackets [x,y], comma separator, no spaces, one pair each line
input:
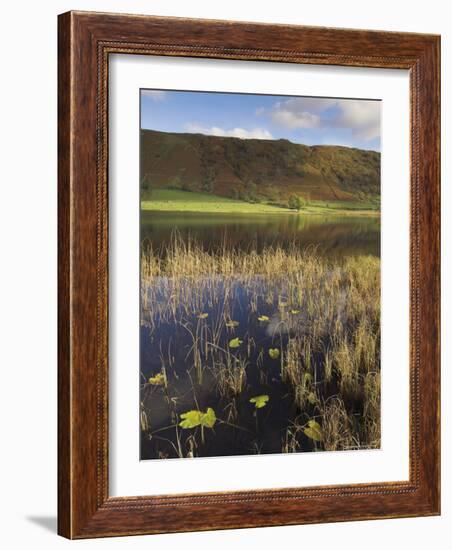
[317,318]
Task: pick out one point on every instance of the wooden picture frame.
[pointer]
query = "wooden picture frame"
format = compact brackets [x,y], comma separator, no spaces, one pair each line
[86,40]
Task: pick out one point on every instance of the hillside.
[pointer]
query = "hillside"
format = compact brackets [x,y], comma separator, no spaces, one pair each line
[258,170]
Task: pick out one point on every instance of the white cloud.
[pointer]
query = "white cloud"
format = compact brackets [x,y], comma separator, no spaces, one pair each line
[256,133]
[293,120]
[155,95]
[360,116]
[300,112]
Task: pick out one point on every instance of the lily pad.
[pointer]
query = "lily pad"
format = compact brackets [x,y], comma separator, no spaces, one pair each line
[203,316]
[295,311]
[260,401]
[274,353]
[314,431]
[232,324]
[235,343]
[209,418]
[157,380]
[263,318]
[192,419]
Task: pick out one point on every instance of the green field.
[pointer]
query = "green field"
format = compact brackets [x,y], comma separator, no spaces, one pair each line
[342,207]
[175,200]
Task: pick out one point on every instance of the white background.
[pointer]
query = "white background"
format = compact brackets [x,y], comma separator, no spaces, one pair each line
[28,270]
[129,476]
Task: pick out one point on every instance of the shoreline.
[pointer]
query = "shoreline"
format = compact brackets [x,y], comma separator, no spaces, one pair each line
[275,211]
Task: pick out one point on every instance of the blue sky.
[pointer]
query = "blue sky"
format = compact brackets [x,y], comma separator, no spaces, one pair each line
[308,120]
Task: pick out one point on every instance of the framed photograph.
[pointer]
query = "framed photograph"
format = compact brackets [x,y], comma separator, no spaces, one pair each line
[248,275]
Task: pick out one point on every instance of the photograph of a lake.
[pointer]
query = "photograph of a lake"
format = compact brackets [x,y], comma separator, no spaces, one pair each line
[260,296]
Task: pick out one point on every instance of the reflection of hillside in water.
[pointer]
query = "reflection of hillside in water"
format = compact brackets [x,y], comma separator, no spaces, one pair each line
[332,235]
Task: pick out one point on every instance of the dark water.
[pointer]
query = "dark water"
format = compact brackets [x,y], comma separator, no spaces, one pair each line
[240,428]
[336,235]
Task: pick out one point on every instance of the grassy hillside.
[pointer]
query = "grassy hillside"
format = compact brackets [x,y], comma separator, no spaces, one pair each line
[259,171]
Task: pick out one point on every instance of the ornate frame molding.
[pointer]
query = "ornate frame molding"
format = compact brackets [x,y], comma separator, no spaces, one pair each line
[85,42]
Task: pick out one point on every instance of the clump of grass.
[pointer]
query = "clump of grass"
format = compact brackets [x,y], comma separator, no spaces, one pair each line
[371,413]
[230,376]
[291,443]
[337,426]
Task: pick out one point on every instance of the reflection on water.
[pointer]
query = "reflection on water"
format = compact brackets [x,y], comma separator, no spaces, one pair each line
[333,235]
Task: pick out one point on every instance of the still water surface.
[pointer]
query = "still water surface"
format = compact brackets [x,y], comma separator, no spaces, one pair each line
[333,235]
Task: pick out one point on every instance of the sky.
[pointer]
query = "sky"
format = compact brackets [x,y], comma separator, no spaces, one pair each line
[307,120]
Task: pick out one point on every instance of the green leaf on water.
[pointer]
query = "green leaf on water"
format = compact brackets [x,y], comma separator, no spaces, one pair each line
[263,318]
[203,316]
[312,398]
[314,431]
[192,419]
[209,418]
[274,353]
[232,324]
[260,401]
[295,311]
[235,343]
[157,380]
